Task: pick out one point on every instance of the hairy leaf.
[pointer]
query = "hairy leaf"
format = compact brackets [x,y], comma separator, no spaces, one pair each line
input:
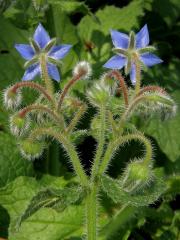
[119,195]
[51,198]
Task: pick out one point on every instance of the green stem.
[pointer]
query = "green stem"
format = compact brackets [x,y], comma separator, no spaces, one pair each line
[76,118]
[45,75]
[42,108]
[34,86]
[101,140]
[130,108]
[70,149]
[138,75]
[91,213]
[113,146]
[118,220]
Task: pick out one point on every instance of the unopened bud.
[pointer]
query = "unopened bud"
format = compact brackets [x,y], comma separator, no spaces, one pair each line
[99,94]
[30,149]
[83,70]
[18,124]
[136,176]
[12,99]
[109,82]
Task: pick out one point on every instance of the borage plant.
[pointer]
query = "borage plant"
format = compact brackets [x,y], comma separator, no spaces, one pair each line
[56,115]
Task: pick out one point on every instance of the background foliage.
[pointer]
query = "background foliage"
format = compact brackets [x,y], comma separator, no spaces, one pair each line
[86,26]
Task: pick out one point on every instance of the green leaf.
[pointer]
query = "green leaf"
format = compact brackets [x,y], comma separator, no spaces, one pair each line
[71,6]
[112,17]
[46,223]
[119,195]
[12,164]
[51,198]
[11,64]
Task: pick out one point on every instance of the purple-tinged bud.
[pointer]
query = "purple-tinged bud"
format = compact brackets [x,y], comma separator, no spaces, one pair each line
[12,99]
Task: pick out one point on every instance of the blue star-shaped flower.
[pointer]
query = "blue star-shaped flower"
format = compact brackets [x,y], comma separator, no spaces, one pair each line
[129,49]
[42,44]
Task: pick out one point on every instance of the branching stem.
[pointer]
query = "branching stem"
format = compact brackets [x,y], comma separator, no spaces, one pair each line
[69,147]
[101,142]
[113,146]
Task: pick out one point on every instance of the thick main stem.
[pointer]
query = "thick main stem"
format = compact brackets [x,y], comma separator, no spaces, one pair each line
[70,149]
[101,141]
[91,213]
[45,75]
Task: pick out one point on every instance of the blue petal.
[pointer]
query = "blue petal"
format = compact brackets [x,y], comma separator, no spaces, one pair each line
[58,52]
[133,74]
[116,62]
[120,40]
[41,36]
[31,72]
[150,59]
[25,50]
[142,37]
[53,72]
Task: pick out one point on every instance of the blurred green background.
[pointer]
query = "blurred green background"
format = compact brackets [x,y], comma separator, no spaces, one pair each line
[86,25]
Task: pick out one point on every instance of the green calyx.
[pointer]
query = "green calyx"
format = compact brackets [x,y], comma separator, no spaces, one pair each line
[31,149]
[136,176]
[18,121]
[99,94]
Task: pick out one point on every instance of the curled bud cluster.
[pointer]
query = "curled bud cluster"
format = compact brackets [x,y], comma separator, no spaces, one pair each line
[19,125]
[30,149]
[12,99]
[82,69]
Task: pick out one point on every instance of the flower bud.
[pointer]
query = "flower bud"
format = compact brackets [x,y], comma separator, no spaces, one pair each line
[18,124]
[109,82]
[99,94]
[30,149]
[82,69]
[136,176]
[12,99]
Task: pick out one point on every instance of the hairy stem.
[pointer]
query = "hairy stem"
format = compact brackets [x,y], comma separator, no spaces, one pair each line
[76,118]
[151,88]
[40,107]
[116,74]
[101,141]
[45,75]
[66,89]
[69,147]
[34,86]
[91,213]
[113,146]
[128,110]
[138,75]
